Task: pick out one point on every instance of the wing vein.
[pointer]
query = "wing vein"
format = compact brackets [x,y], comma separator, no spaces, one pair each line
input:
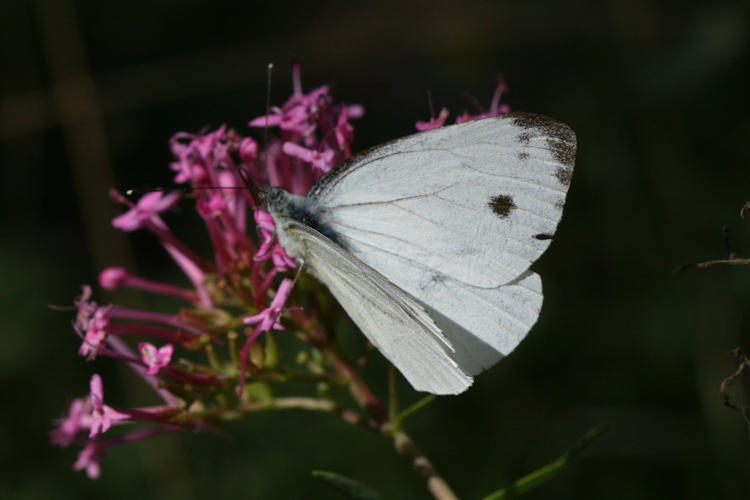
[404,198]
[362,242]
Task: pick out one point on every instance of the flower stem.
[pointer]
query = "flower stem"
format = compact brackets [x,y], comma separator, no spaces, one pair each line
[357,387]
[419,462]
[401,440]
[399,418]
[388,425]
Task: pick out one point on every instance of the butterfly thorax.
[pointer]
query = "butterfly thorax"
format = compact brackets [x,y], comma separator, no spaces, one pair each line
[286,209]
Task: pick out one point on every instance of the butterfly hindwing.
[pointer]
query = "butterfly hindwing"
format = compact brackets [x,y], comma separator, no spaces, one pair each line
[482,324]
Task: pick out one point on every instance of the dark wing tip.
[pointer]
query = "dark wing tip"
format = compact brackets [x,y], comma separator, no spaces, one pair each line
[544,124]
[561,140]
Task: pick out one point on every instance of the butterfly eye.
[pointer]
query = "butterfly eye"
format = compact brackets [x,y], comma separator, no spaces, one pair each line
[274,196]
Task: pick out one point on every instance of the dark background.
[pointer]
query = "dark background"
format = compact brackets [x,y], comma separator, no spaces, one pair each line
[658,96]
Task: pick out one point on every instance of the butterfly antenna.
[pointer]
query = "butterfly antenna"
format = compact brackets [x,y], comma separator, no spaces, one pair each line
[146,190]
[249,183]
[268,110]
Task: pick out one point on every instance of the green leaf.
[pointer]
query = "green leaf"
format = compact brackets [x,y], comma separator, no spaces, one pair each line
[350,487]
[544,474]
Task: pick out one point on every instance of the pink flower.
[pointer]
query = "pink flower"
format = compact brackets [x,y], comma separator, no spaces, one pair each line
[265,224]
[69,427]
[195,152]
[265,221]
[89,458]
[86,309]
[248,149]
[269,247]
[96,332]
[311,100]
[295,119]
[495,107]
[90,413]
[211,205]
[264,321]
[298,113]
[102,416]
[148,207]
[323,161]
[281,261]
[301,111]
[344,133]
[466,117]
[268,318]
[434,122]
[313,129]
[155,359]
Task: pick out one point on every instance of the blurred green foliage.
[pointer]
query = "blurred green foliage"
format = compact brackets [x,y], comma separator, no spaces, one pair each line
[657,94]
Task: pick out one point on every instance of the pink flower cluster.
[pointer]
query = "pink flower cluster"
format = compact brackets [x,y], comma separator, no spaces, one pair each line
[221,168]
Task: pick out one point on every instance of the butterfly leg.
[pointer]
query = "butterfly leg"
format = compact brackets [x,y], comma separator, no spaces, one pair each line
[301,264]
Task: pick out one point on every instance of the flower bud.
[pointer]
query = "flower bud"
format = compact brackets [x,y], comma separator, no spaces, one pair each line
[112,277]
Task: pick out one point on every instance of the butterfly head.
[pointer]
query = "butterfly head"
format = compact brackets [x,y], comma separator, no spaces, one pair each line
[274,198]
[278,201]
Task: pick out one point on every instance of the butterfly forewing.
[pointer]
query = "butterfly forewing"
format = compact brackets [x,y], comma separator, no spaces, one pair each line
[477,201]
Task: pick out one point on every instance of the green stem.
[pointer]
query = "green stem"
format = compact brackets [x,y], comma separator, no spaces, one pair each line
[398,420]
[547,472]
[283,375]
[357,387]
[401,440]
[419,462]
[290,403]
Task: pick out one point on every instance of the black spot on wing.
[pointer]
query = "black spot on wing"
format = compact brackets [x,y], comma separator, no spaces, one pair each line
[543,236]
[522,155]
[502,205]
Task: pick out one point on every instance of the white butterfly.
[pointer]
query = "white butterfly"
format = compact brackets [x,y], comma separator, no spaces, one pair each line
[426,241]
